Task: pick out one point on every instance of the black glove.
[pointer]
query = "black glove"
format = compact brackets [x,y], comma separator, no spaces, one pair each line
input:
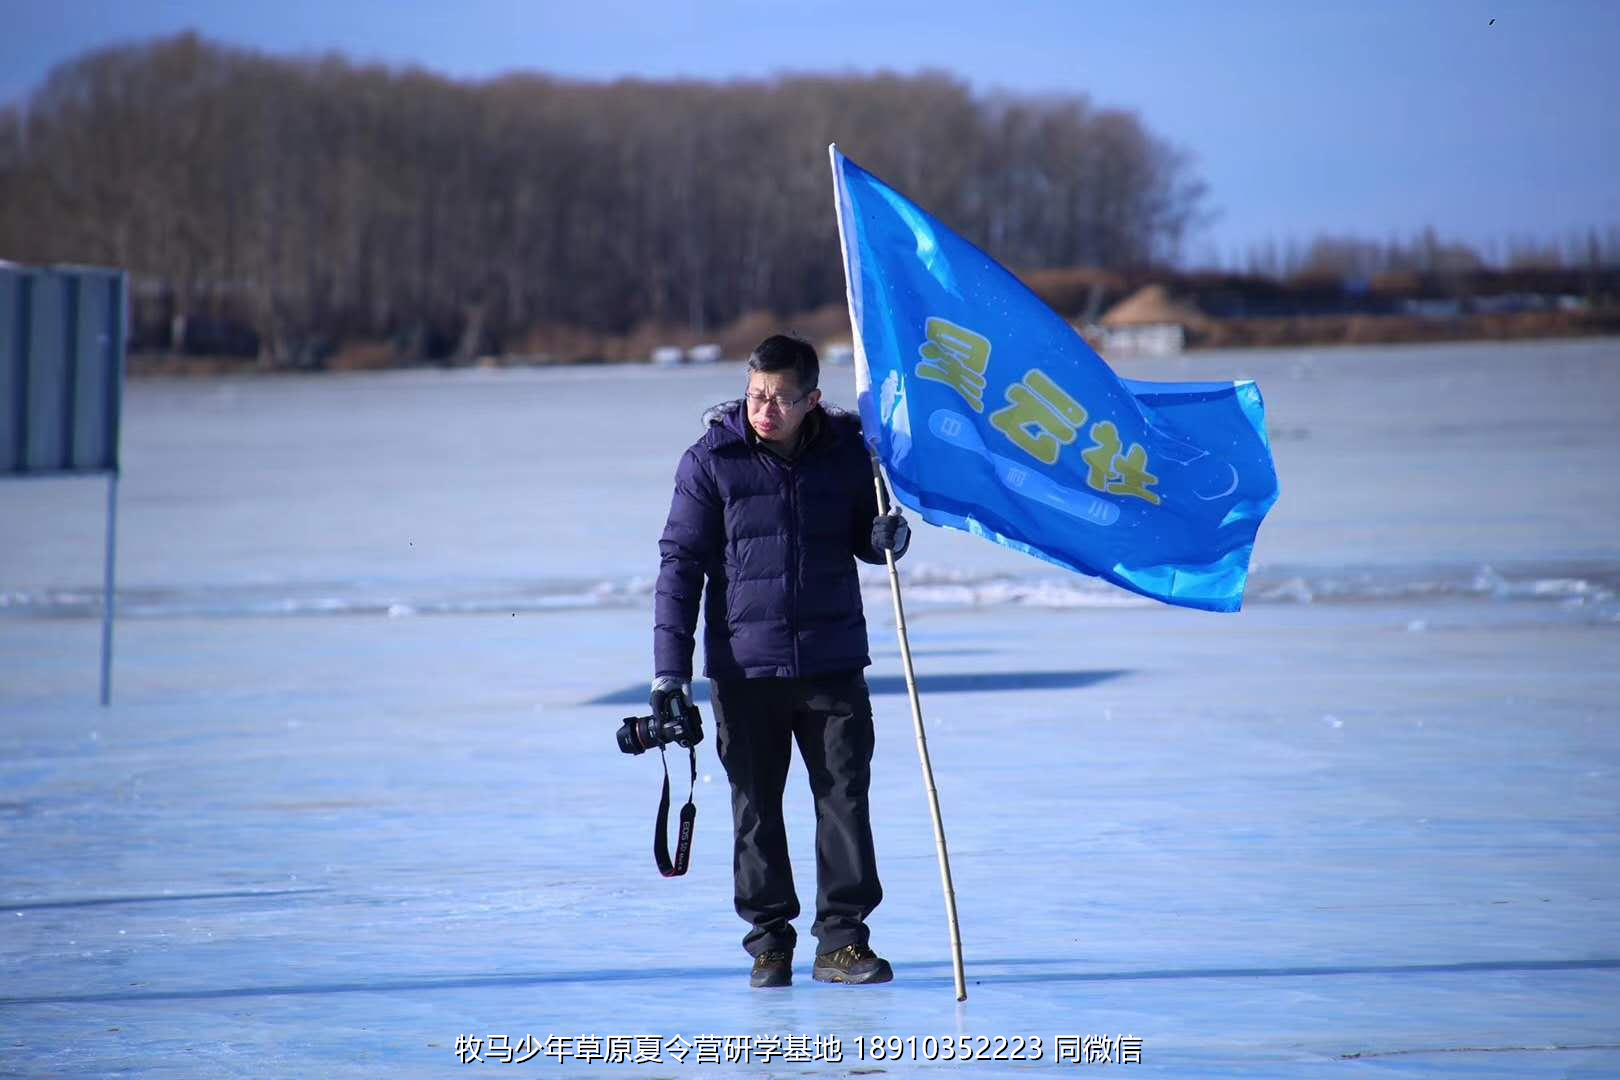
[670,696]
[890,533]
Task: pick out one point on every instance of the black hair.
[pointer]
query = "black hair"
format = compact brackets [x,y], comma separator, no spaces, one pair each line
[783,352]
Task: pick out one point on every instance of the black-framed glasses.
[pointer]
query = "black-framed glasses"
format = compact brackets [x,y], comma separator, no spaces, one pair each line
[776,401]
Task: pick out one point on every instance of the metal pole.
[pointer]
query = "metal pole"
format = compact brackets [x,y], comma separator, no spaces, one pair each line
[107,588]
[922,754]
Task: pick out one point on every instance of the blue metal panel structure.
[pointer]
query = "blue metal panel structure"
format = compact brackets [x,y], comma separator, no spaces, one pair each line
[62,336]
[62,339]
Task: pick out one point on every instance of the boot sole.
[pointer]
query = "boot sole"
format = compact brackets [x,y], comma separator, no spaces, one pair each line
[882,974]
[770,983]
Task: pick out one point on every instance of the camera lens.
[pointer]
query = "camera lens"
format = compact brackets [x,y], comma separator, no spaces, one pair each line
[633,735]
[638,734]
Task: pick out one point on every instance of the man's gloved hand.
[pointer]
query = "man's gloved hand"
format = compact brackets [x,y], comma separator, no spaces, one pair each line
[670,696]
[890,533]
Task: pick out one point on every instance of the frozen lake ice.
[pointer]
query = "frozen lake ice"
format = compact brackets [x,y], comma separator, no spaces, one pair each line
[357,795]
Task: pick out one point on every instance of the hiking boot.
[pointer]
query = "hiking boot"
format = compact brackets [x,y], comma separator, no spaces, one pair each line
[772,969]
[852,964]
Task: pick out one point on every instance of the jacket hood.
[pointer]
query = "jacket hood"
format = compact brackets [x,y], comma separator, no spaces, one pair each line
[727,415]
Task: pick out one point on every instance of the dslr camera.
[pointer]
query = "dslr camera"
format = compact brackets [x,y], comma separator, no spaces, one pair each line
[638,734]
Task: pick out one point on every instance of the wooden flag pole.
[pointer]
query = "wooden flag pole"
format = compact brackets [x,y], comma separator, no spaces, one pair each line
[886,506]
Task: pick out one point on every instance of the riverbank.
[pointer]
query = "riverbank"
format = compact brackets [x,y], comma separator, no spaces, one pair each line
[828,328]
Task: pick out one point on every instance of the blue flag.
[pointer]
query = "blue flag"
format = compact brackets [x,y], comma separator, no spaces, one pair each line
[991,414]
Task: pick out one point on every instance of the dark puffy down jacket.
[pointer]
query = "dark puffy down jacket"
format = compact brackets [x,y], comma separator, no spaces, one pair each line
[777,541]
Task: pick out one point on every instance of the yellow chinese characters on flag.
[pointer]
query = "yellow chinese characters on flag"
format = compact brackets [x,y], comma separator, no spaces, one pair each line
[956,357]
[1040,417]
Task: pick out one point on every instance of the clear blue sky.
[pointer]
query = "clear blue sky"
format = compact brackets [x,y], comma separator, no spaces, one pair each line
[1371,117]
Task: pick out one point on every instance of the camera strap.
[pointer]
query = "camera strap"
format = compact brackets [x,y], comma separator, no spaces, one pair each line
[683,841]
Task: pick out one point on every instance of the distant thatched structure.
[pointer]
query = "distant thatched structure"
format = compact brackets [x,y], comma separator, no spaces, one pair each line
[1152,306]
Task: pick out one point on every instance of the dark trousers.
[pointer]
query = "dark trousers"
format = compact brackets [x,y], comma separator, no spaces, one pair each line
[830,717]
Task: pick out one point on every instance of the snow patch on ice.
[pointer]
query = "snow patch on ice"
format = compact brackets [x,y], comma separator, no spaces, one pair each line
[1590,590]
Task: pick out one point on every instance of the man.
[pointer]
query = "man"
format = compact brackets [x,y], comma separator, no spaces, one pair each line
[772,507]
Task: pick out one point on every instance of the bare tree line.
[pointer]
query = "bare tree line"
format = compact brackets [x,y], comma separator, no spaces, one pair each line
[322,200]
[1427,253]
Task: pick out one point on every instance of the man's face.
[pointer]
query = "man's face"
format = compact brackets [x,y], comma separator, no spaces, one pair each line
[776,405]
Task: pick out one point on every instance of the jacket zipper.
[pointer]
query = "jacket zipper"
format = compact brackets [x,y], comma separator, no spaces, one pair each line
[793,562]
